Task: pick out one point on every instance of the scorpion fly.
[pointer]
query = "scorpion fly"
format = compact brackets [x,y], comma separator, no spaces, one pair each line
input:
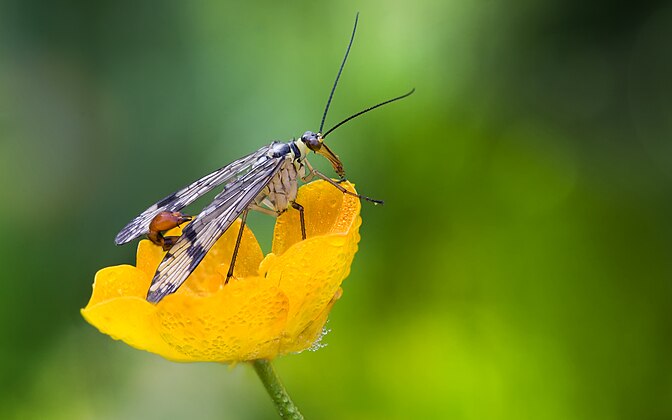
[265,180]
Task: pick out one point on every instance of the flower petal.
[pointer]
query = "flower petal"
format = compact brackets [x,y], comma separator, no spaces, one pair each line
[118,281]
[118,308]
[310,272]
[270,307]
[326,210]
[242,321]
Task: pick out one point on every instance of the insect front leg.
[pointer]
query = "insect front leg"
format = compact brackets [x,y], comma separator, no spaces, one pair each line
[312,173]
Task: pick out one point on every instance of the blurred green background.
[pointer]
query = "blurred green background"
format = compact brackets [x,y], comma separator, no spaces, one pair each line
[520,267]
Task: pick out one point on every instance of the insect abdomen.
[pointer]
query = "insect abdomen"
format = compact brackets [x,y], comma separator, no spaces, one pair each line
[282,189]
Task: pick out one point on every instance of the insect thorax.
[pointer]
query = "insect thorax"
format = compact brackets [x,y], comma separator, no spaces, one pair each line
[282,189]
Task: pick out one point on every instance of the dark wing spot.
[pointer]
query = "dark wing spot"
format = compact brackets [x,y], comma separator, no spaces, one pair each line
[166,200]
[190,235]
[195,251]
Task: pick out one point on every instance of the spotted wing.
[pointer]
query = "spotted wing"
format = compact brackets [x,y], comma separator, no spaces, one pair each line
[187,195]
[201,234]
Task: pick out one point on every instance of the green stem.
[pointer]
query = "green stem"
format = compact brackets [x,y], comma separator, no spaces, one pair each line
[276,390]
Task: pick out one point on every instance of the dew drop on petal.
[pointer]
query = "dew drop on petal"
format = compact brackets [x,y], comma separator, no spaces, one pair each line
[318,344]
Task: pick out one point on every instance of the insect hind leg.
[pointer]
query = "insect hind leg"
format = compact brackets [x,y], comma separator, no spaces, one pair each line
[263,210]
[243,218]
[274,213]
[299,207]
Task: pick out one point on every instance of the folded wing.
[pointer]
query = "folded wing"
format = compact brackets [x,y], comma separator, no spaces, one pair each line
[201,234]
[187,195]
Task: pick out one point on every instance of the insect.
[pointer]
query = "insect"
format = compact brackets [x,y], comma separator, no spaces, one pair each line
[265,180]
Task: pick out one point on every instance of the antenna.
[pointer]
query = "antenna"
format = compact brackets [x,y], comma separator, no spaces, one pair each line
[340,70]
[367,110]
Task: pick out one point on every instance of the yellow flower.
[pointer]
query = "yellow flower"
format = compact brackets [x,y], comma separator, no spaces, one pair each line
[274,305]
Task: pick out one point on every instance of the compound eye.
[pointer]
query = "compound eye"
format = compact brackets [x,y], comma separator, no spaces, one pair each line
[314,144]
[312,140]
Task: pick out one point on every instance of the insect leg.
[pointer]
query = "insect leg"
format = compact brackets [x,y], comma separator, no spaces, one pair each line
[243,217]
[315,173]
[310,175]
[299,207]
[263,210]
